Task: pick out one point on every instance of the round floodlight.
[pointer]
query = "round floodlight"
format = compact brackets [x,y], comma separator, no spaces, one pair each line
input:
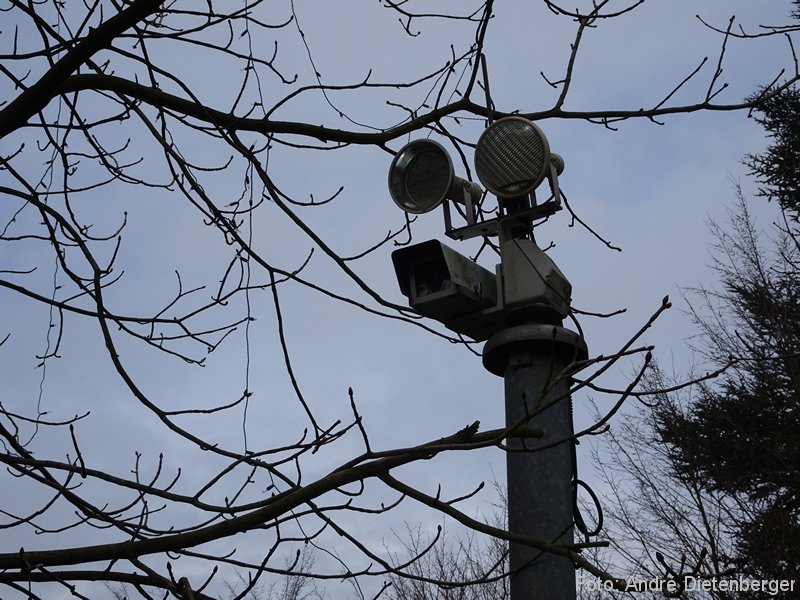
[512,157]
[420,176]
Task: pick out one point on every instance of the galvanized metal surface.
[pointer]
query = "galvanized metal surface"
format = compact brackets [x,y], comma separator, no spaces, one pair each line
[530,358]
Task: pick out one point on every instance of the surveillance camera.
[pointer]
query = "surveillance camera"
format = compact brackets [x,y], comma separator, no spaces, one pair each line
[447,286]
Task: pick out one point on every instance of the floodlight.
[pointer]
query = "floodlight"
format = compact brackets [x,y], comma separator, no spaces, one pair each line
[512,157]
[421,177]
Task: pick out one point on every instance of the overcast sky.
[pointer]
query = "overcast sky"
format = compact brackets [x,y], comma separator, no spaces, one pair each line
[647,188]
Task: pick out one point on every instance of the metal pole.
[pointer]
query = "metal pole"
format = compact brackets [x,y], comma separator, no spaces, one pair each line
[540,498]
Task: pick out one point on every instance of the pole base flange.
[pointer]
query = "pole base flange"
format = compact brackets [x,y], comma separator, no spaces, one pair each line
[512,341]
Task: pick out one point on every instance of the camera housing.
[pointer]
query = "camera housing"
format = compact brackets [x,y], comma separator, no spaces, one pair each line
[470,300]
[532,283]
[447,286]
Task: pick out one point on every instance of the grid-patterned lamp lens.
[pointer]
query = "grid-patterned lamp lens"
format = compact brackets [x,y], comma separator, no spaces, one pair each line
[512,157]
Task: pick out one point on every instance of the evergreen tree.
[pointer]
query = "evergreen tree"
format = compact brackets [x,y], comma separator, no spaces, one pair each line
[738,436]
[777,168]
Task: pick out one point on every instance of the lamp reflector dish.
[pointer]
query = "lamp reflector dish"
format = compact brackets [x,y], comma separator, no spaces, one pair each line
[420,176]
